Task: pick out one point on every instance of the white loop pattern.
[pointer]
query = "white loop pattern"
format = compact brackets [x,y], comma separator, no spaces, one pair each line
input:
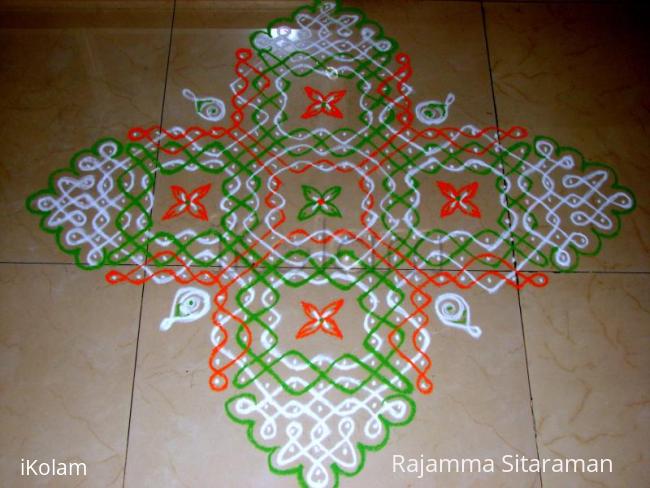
[189,305]
[453,311]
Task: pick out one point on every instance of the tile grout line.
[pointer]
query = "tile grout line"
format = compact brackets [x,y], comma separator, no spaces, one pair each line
[137,342]
[514,256]
[135,364]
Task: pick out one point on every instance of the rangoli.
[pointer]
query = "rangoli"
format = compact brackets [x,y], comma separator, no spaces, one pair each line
[388,229]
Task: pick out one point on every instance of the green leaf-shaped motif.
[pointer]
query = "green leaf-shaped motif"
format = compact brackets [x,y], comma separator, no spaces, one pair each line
[319,202]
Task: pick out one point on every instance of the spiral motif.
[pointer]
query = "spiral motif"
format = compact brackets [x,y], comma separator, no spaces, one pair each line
[208,108]
[453,311]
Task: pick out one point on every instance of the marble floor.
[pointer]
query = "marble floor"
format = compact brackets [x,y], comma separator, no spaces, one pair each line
[247,247]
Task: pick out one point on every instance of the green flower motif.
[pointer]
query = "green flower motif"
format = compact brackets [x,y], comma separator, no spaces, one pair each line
[319,202]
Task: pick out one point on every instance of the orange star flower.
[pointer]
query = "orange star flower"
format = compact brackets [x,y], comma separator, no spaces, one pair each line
[322,320]
[460,199]
[188,202]
[323,104]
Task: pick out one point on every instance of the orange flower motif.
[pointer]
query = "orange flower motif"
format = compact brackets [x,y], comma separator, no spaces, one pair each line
[322,320]
[188,202]
[323,104]
[460,199]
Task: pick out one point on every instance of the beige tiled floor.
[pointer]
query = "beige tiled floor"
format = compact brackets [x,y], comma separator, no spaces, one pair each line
[588,372]
[67,366]
[69,78]
[87,374]
[572,72]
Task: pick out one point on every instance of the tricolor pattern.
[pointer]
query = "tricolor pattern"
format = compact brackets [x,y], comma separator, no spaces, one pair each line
[389,230]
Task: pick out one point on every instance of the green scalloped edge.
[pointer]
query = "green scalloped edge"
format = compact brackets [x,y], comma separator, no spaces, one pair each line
[338,9]
[363,448]
[583,166]
[50,190]
[298,470]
